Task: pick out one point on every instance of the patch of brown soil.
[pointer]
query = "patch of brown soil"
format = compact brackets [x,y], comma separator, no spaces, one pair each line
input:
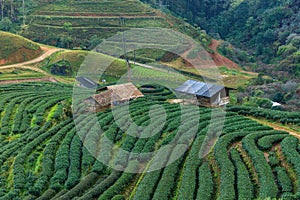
[219,59]
[214,44]
[21,55]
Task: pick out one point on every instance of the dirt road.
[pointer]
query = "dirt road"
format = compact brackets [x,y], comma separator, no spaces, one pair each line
[26,65]
[47,52]
[277,127]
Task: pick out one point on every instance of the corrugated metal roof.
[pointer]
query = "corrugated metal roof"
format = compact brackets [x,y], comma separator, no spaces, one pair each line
[199,88]
[88,83]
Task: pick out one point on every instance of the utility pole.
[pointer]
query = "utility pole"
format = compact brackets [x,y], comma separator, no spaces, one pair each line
[123,25]
[161,6]
[134,56]
[12,12]
[2,9]
[24,14]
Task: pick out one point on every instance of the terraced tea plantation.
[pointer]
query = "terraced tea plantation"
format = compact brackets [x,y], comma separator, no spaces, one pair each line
[89,18]
[69,24]
[44,156]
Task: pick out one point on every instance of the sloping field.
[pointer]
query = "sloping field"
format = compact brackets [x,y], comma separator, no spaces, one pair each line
[76,22]
[42,155]
[15,49]
[89,18]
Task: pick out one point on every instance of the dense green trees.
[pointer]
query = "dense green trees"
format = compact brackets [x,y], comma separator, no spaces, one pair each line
[267,30]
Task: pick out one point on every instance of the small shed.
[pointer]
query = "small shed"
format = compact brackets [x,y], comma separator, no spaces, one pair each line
[86,82]
[206,94]
[114,94]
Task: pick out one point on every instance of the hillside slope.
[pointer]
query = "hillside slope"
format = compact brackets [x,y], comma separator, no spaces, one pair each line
[48,153]
[84,24]
[16,49]
[268,30]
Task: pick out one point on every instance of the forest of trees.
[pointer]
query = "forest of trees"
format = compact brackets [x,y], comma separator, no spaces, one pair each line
[261,31]
[13,13]
[269,30]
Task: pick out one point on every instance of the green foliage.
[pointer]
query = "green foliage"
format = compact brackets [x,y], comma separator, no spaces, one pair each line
[286,50]
[267,142]
[227,178]
[289,149]
[6,24]
[55,159]
[206,184]
[267,185]
[62,68]
[15,49]
[245,188]
[118,197]
[266,30]
[189,179]
[275,115]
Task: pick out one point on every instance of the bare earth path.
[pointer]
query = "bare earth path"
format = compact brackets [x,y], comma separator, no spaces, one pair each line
[47,52]
[278,127]
[28,64]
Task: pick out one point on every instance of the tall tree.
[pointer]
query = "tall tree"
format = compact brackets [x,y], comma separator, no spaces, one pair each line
[24,12]
[2,9]
[12,12]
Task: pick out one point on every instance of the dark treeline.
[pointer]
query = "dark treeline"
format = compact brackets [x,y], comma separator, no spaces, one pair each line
[269,30]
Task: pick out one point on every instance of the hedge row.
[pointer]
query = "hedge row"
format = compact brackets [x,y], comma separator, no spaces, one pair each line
[245,188]
[146,188]
[166,186]
[281,116]
[62,163]
[48,161]
[205,189]
[189,178]
[284,180]
[266,143]
[227,178]
[267,184]
[99,188]
[289,149]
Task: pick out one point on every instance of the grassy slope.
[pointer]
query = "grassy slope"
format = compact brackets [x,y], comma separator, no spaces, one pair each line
[15,49]
[17,74]
[112,72]
[101,18]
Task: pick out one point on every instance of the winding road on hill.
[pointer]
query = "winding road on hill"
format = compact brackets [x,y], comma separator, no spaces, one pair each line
[28,64]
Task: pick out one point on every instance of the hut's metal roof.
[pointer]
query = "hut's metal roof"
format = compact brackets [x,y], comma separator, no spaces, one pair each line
[199,88]
[86,82]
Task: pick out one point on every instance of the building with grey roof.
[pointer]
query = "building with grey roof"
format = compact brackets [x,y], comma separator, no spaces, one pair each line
[205,94]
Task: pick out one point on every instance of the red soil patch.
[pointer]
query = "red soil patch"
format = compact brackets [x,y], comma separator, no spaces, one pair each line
[219,59]
[21,55]
[214,44]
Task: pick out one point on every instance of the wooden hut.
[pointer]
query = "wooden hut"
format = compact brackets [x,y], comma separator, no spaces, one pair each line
[114,95]
[205,94]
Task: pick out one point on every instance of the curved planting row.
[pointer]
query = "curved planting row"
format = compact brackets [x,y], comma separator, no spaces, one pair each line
[275,115]
[43,155]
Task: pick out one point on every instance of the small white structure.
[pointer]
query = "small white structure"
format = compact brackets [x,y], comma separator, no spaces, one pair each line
[275,104]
